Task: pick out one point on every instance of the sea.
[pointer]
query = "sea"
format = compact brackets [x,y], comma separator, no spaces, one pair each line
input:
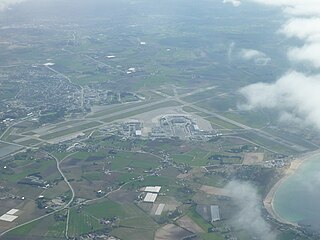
[297,200]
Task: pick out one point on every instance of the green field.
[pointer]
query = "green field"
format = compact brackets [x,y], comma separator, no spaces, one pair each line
[109,209]
[24,230]
[22,171]
[198,219]
[30,142]
[252,119]
[221,124]
[87,219]
[81,222]
[191,51]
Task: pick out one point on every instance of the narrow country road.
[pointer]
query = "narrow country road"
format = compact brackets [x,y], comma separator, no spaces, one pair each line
[58,210]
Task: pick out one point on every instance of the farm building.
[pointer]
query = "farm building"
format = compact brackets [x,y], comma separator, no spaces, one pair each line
[210,213]
[155,189]
[9,216]
[150,197]
[159,209]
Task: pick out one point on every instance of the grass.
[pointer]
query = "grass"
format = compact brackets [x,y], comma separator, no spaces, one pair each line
[60,189]
[93,176]
[8,132]
[43,165]
[30,142]
[201,96]
[109,209]
[85,155]
[189,109]
[289,236]
[24,230]
[213,180]
[138,161]
[139,221]
[81,223]
[182,158]
[60,155]
[57,230]
[64,123]
[268,143]
[70,130]
[220,123]
[252,119]
[192,213]
[152,181]
[125,233]
[195,157]
[140,111]
[11,138]
[126,177]
[152,96]
[211,236]
[169,91]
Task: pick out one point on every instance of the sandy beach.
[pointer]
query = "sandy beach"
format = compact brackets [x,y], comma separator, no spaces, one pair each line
[294,166]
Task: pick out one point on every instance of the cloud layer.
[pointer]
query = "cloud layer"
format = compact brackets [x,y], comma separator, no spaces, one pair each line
[295,95]
[258,57]
[294,7]
[249,217]
[5,4]
[235,3]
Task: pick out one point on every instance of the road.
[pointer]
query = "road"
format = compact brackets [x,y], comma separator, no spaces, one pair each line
[178,98]
[58,163]
[58,210]
[132,109]
[70,82]
[5,132]
[70,187]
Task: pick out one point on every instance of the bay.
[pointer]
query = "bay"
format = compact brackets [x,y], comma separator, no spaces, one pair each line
[297,200]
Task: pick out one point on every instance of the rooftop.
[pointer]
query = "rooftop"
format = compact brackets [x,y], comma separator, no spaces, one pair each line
[153,189]
[150,197]
[8,218]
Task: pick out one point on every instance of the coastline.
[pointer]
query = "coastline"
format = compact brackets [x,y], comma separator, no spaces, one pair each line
[269,199]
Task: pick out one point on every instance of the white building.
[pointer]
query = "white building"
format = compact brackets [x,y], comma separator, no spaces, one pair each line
[153,189]
[150,197]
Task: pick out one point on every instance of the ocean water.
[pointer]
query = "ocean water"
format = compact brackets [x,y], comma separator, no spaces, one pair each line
[297,200]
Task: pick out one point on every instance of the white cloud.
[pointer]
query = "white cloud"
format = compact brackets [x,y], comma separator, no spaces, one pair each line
[235,3]
[230,50]
[308,30]
[258,57]
[5,4]
[309,53]
[302,28]
[295,95]
[249,217]
[250,54]
[294,7]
